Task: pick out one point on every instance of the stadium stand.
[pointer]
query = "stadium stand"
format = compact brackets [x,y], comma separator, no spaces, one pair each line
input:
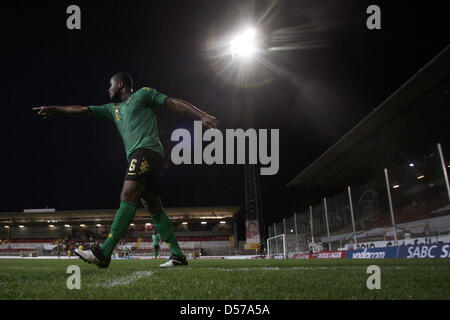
[199,230]
[404,141]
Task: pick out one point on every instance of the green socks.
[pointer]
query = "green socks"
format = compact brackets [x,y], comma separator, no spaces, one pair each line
[164,228]
[122,221]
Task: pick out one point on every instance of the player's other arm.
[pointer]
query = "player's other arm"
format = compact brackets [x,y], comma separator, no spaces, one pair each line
[184,107]
[76,110]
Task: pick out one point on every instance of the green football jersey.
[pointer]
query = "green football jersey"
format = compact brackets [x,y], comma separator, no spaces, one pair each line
[135,119]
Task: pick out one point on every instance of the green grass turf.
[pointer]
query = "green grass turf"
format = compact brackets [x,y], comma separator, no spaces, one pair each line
[227,280]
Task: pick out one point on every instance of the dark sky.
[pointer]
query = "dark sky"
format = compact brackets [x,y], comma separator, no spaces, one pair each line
[335,73]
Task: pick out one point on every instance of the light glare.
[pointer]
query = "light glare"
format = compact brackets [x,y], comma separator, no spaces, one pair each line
[244,44]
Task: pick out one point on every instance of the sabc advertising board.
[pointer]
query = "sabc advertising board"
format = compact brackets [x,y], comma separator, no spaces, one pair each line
[438,250]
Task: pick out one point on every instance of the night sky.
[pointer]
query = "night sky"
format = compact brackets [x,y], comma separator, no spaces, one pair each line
[331,73]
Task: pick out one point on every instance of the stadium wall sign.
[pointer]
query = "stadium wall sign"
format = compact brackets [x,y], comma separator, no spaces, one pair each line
[438,250]
[372,253]
[319,255]
[422,251]
[300,256]
[328,255]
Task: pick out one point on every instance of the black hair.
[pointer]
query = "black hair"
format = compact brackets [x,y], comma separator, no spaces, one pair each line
[125,78]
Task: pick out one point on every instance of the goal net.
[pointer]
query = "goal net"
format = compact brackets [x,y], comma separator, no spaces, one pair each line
[276,247]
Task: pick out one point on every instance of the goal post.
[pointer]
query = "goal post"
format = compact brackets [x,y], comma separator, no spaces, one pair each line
[276,246]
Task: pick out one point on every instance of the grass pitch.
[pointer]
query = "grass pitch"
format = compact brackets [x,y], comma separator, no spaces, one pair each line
[226,280]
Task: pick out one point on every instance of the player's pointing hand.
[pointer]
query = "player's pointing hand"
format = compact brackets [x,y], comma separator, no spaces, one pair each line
[44,111]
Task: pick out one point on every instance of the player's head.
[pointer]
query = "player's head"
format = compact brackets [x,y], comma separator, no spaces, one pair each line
[119,83]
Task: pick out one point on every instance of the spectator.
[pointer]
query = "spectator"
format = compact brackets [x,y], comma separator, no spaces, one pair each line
[70,250]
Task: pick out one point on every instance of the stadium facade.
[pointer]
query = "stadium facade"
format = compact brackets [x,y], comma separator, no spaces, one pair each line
[385,182]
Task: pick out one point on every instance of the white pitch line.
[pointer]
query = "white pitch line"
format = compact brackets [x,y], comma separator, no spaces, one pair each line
[124,281]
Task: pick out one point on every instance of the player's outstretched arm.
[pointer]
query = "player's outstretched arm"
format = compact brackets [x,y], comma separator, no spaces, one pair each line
[46,111]
[182,106]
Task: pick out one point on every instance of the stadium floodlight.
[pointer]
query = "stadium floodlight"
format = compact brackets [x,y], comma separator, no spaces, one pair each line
[244,44]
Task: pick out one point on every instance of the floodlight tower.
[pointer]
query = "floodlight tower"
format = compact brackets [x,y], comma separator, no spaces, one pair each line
[253,205]
[243,48]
